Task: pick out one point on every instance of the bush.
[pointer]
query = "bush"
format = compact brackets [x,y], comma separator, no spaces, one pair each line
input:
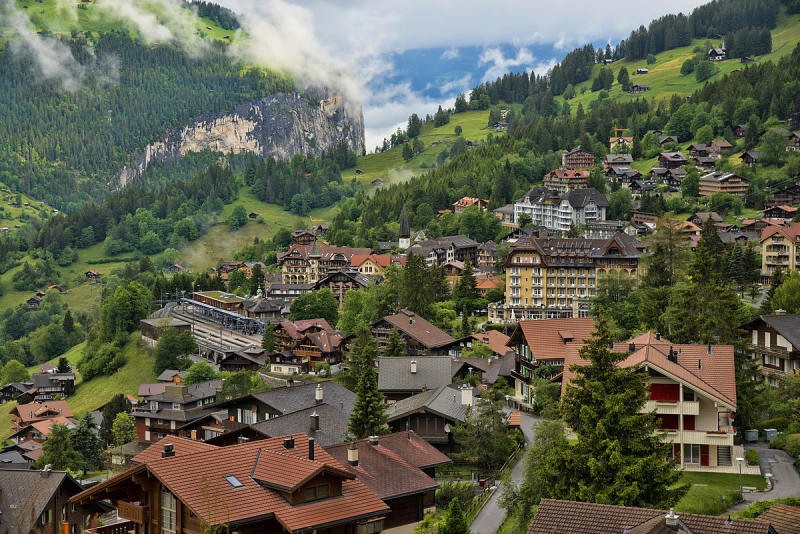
[778,423]
[758,508]
[751,456]
[789,443]
[463,491]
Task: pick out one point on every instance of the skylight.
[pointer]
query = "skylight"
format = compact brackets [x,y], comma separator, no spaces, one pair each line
[233,481]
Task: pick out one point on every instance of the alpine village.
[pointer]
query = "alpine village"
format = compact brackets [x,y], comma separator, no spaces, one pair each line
[567,302]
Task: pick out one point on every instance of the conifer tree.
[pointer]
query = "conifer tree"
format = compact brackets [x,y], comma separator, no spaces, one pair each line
[369,413]
[58,452]
[456,521]
[618,458]
[86,441]
[395,345]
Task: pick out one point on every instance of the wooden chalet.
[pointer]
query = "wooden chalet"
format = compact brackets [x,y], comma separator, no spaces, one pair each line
[780,212]
[343,280]
[788,196]
[421,336]
[577,158]
[749,157]
[307,343]
[671,160]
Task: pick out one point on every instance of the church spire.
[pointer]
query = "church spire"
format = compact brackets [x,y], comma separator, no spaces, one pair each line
[405,232]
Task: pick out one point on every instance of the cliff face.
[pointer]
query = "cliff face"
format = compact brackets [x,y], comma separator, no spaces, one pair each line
[278,126]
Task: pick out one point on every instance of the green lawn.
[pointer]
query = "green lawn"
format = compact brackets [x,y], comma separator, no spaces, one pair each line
[13,215]
[706,494]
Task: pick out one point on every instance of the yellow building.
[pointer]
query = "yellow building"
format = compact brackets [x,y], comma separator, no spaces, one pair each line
[550,277]
[780,249]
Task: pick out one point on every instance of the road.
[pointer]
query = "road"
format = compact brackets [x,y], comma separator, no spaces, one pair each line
[492,514]
[785,479]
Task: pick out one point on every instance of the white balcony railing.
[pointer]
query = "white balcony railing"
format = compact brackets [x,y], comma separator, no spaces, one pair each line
[673,408]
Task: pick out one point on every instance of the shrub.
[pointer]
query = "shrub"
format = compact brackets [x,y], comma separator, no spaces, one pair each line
[463,491]
[751,456]
[778,423]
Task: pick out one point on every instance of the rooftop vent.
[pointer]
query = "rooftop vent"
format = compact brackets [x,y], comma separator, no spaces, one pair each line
[352,455]
[413,366]
[310,448]
[314,421]
[169,451]
[319,395]
[631,347]
[373,440]
[671,519]
[288,443]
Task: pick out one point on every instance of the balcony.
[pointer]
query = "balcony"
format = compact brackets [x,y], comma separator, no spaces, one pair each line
[698,437]
[132,512]
[120,527]
[673,407]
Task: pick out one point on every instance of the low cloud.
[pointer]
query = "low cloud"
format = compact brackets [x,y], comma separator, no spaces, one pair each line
[450,53]
[498,64]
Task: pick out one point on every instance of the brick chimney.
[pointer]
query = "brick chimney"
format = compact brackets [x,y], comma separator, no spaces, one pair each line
[352,455]
[169,451]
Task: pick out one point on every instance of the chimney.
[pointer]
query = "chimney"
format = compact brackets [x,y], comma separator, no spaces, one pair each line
[314,421]
[242,439]
[413,366]
[709,348]
[671,356]
[466,395]
[631,347]
[658,335]
[671,519]
[194,435]
[352,455]
[699,365]
[310,448]
[319,394]
[288,443]
[373,440]
[169,451]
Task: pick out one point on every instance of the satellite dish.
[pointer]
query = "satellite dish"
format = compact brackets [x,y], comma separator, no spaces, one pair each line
[447,428]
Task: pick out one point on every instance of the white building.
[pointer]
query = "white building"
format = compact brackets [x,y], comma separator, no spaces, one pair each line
[561,212]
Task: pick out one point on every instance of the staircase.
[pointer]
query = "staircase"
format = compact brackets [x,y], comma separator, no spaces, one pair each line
[724,455]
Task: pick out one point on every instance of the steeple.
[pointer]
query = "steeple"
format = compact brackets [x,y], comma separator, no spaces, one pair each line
[405,232]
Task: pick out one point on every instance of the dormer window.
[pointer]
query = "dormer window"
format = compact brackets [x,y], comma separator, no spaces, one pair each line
[315,493]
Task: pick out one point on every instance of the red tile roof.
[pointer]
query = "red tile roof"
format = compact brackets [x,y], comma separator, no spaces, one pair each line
[554,339]
[791,231]
[36,411]
[418,328]
[783,518]
[287,472]
[514,419]
[497,341]
[198,479]
[181,446]
[296,329]
[572,517]
[413,449]
[711,373]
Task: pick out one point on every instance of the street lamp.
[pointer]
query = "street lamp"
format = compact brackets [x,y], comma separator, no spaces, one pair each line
[740,460]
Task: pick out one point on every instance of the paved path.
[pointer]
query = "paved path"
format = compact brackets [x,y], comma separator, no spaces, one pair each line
[492,514]
[785,479]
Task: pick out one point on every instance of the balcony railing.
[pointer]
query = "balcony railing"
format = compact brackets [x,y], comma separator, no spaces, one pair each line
[673,408]
[121,527]
[131,511]
[698,437]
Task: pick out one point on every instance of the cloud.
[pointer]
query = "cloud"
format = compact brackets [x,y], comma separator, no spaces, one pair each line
[52,59]
[450,53]
[498,64]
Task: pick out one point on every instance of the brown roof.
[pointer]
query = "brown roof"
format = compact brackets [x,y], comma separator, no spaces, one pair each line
[553,339]
[418,328]
[783,518]
[288,472]
[36,411]
[497,341]
[296,329]
[383,470]
[381,260]
[414,450]
[791,231]
[181,446]
[199,481]
[145,390]
[326,252]
[571,517]
[711,373]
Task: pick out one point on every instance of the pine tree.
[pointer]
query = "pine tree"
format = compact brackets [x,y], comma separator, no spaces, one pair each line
[268,340]
[68,324]
[466,290]
[395,345]
[117,404]
[58,452]
[86,441]
[63,365]
[456,522]
[368,417]
[618,458]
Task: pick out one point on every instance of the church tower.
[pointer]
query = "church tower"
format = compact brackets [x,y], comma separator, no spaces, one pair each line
[405,233]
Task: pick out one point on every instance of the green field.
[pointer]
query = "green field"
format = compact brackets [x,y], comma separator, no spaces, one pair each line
[706,494]
[12,215]
[664,77]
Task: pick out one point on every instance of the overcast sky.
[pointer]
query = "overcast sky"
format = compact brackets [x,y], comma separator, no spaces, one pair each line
[357,35]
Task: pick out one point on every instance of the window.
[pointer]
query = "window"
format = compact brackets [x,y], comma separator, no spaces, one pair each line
[168,515]
[176,405]
[691,454]
[314,493]
[233,481]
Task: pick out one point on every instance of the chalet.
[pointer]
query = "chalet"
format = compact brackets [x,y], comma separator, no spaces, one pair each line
[642,70]
[697,149]
[638,187]
[611,160]
[619,142]
[444,249]
[308,263]
[376,264]
[463,203]
[700,217]
[303,237]
[487,257]
[153,329]
[704,162]
[644,217]
[723,182]
[400,377]
[671,160]
[667,139]
[789,196]
[307,343]
[377,462]
[172,376]
[325,422]
[577,158]
[162,414]
[692,390]
[40,430]
[749,157]
[717,54]
[488,370]
[784,519]
[26,414]
[342,281]
[266,309]
[637,89]
[572,517]
[37,502]
[505,214]
[421,337]
[564,180]
[92,275]
[13,459]
[486,282]
[623,174]
[247,359]
[13,391]
[225,268]
[282,485]
[720,146]
[36,300]
[49,386]
[287,292]
[780,212]
[745,60]
[432,414]
[774,343]
[739,130]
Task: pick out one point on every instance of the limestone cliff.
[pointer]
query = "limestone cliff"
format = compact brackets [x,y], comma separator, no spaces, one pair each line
[279,126]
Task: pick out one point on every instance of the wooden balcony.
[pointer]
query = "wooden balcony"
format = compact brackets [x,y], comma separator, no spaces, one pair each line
[121,527]
[132,512]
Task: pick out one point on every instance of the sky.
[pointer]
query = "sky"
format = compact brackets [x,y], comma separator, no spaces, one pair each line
[379,42]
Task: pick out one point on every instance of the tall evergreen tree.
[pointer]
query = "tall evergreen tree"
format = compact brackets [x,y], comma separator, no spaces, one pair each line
[618,457]
[395,345]
[456,521]
[117,404]
[86,441]
[58,452]
[368,417]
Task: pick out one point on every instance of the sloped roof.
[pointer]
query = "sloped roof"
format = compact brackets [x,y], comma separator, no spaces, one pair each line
[787,325]
[36,411]
[168,374]
[791,231]
[394,373]
[553,339]
[421,330]
[672,156]
[783,518]
[288,472]
[294,398]
[719,176]
[387,473]
[497,341]
[333,419]
[444,401]
[145,390]
[296,329]
[579,198]
[711,373]
[413,449]
[181,446]
[25,495]
[199,480]
[572,517]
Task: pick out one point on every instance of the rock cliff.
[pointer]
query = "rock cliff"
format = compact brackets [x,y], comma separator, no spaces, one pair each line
[278,126]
